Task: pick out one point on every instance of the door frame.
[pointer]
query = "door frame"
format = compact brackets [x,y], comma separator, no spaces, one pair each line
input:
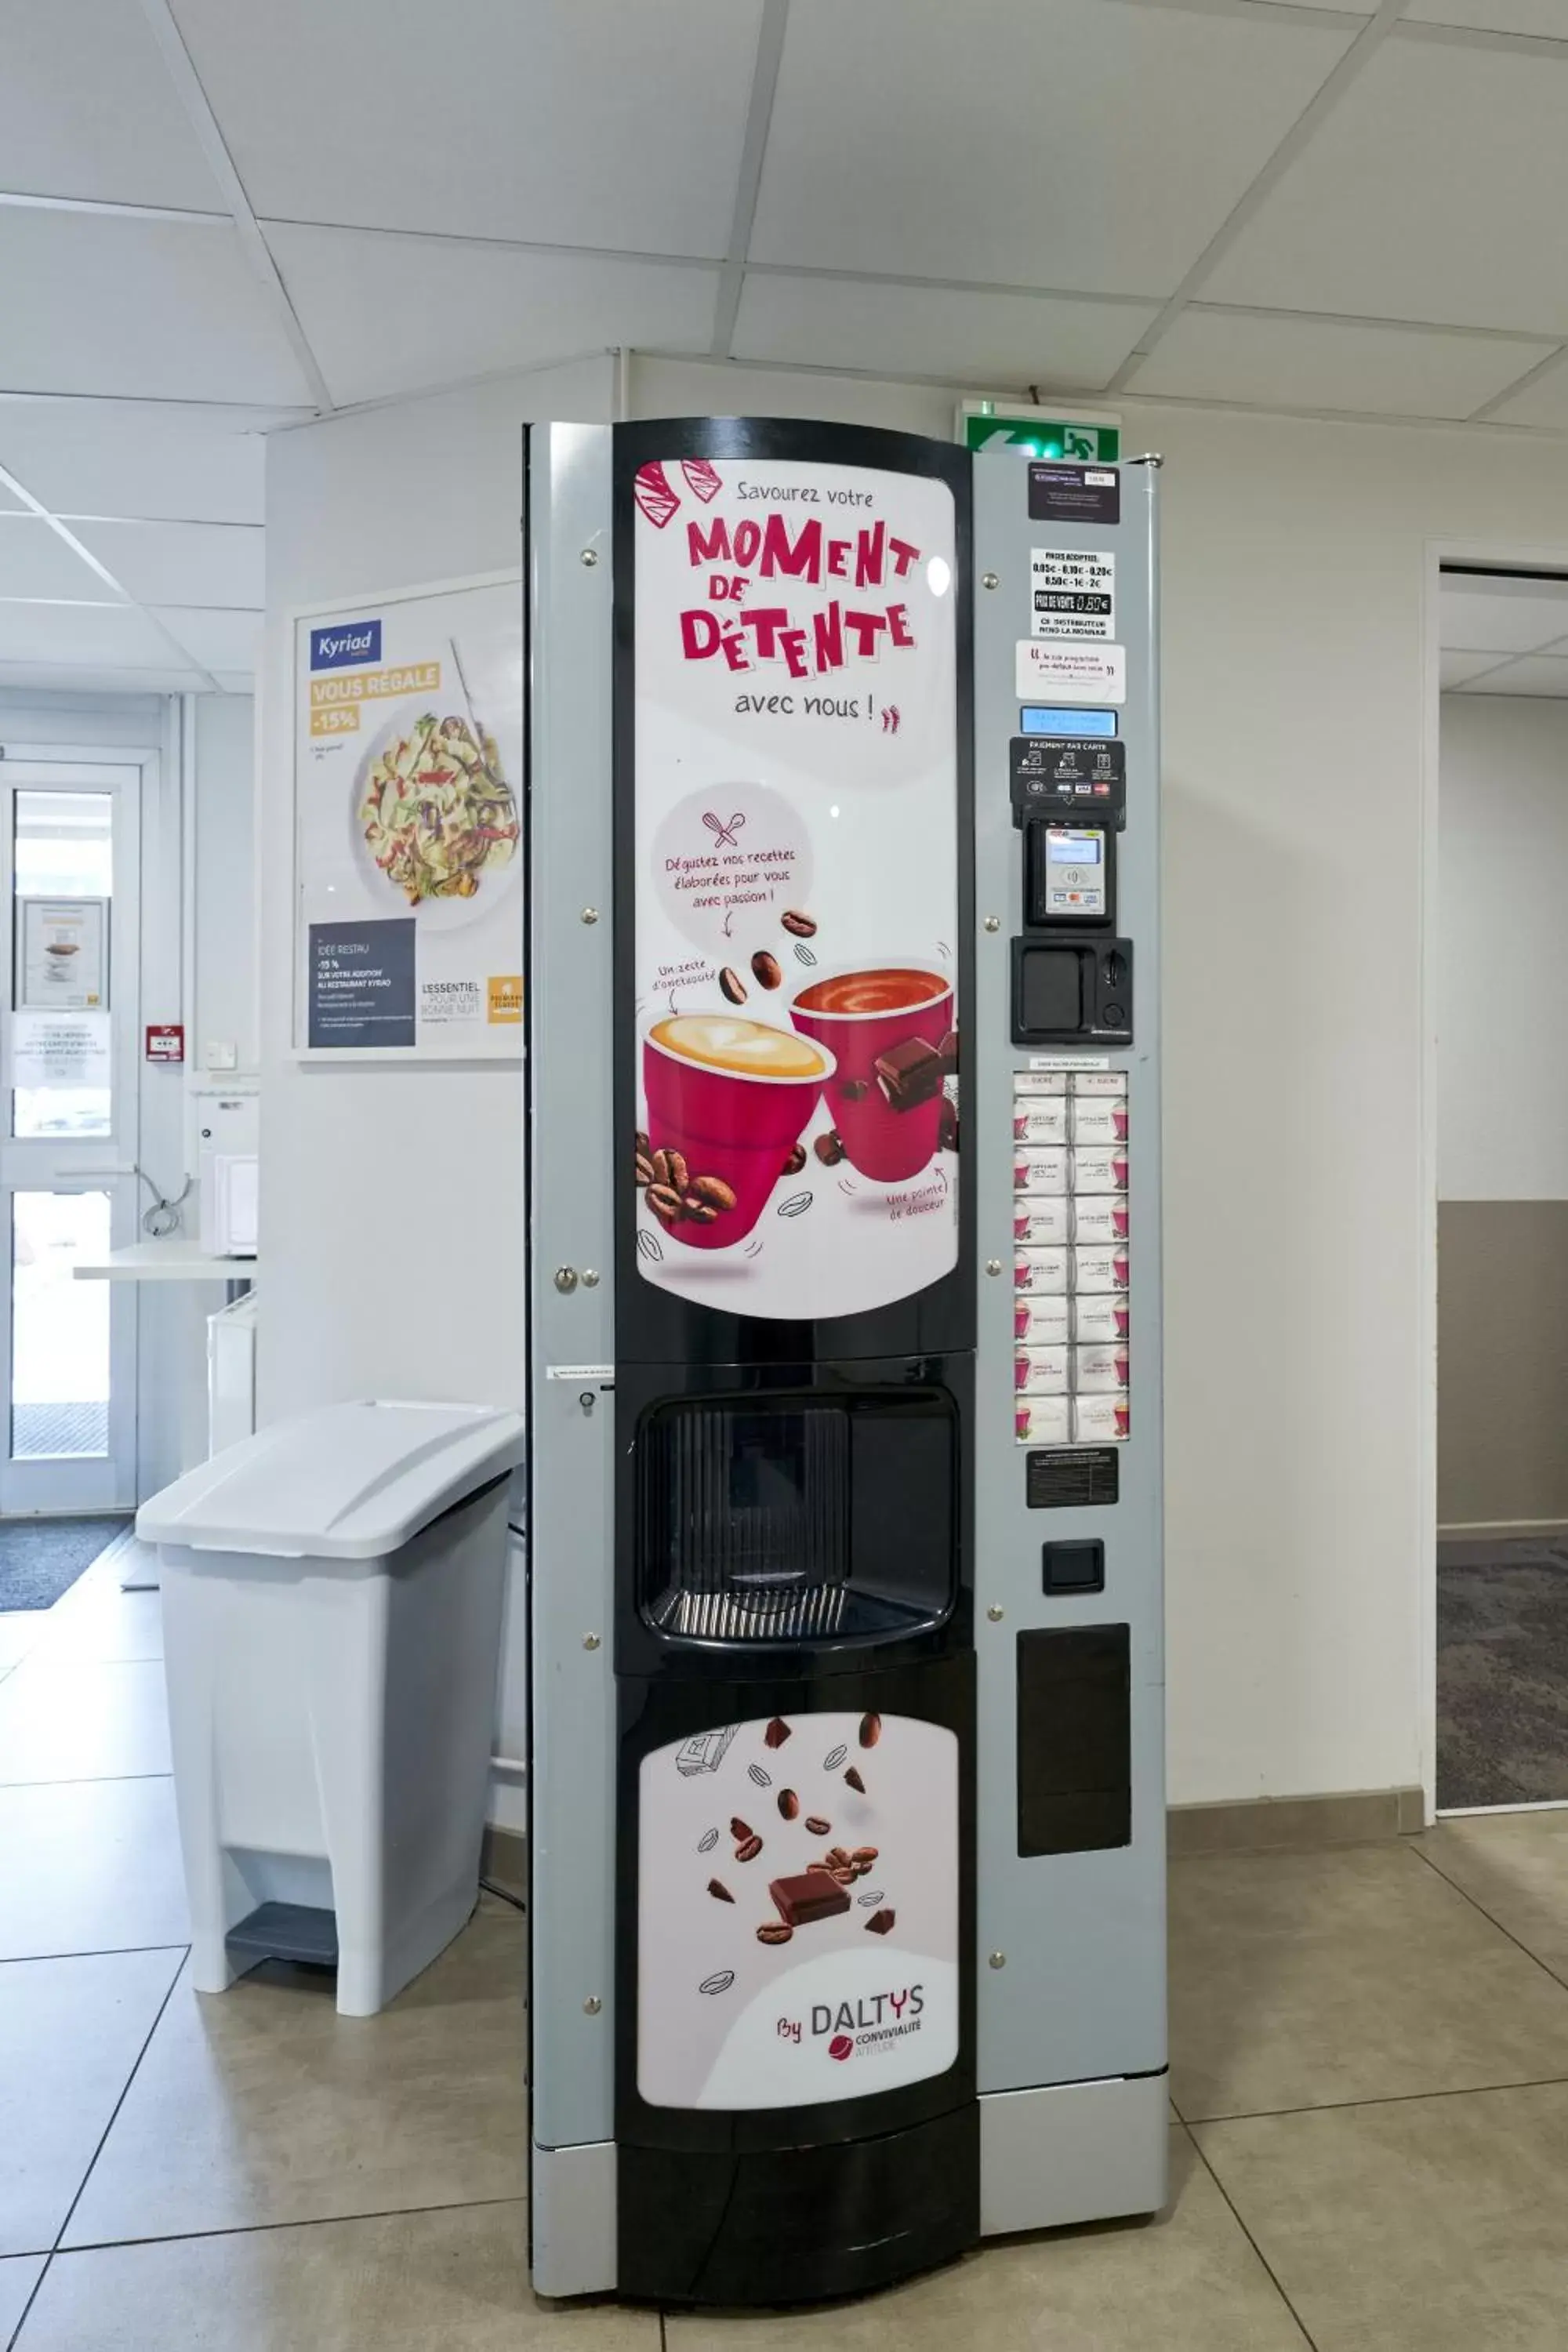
[1499,555]
[74,1484]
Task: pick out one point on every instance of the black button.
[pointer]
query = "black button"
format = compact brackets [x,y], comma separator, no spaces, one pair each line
[1114,1016]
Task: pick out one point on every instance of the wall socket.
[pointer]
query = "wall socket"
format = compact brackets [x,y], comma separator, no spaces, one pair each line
[220,1056]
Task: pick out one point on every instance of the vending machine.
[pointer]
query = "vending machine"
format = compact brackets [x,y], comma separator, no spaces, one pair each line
[847,1810]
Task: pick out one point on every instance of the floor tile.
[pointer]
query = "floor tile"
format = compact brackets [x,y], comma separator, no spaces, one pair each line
[19,2277]
[19,1631]
[454,2280]
[90,1866]
[1431,2225]
[262,2105]
[70,2032]
[1515,1866]
[1187,2283]
[1303,1980]
[82,1720]
[97,1619]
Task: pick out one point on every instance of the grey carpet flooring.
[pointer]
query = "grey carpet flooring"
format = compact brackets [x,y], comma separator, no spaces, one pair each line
[1502,1672]
[41,1558]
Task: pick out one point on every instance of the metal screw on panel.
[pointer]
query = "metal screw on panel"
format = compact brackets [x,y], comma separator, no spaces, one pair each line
[994,1614]
[589,915]
[590,556]
[998,1959]
[992,922]
[586,1400]
[565,1277]
[993,1266]
[593,2005]
[590,1641]
[590,1278]
[989,580]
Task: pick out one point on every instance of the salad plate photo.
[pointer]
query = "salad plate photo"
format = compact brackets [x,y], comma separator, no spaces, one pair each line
[434,820]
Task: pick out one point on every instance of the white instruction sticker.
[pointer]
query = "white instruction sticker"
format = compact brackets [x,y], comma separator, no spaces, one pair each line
[1070,671]
[1072,593]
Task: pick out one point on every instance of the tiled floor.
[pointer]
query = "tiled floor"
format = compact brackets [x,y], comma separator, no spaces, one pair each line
[1370,2067]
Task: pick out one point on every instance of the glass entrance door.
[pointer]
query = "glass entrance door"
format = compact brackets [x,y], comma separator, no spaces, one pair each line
[69,870]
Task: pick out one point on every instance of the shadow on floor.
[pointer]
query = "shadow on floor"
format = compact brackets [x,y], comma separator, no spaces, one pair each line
[1502,1672]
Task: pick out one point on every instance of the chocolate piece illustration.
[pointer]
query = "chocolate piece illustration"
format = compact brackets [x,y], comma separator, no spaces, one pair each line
[853,1780]
[880,1923]
[718,1890]
[909,1073]
[811,1896]
[776,1733]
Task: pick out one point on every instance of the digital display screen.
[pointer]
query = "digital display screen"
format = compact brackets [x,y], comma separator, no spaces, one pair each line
[1041,719]
[1075,849]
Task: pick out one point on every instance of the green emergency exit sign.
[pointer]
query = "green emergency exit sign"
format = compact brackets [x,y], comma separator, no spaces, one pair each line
[1045,436]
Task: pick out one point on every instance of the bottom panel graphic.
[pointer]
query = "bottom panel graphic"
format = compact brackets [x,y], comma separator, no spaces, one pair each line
[797,1911]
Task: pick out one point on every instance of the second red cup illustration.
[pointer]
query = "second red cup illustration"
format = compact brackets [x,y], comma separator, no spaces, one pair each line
[889,1030]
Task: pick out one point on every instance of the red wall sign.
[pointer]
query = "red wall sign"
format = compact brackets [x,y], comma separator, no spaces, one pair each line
[165,1041]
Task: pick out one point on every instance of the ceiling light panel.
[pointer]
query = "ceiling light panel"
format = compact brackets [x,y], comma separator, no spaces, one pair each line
[605,122]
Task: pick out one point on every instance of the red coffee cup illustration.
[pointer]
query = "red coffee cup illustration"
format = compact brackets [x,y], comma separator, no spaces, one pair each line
[732,1097]
[884,1024]
[1119,1122]
[1023,1420]
[1124,1319]
[1119,1168]
[1119,1220]
[1119,1266]
[1022,1320]
[1124,1416]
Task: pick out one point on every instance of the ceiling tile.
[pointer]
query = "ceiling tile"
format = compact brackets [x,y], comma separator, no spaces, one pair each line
[392,314]
[1013,338]
[185,465]
[106,636]
[182,563]
[219,641]
[139,308]
[1537,674]
[36,562]
[1506,615]
[1083,144]
[1545,19]
[1544,403]
[1322,363]
[1458,669]
[1422,195]
[607,122]
[91,111]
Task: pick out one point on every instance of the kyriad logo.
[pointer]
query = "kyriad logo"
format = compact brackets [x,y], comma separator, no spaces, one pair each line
[346,644]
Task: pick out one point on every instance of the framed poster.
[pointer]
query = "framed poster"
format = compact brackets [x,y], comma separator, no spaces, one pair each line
[409,824]
[63,950]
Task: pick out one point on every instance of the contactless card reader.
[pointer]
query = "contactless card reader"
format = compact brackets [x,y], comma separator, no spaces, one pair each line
[1070,875]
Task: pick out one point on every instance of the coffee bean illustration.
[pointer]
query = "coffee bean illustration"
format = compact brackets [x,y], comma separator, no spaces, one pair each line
[773,1931]
[645,1169]
[796,1161]
[766,969]
[720,1983]
[801,927]
[706,1844]
[679,1175]
[870,1731]
[739,1830]
[789,1805]
[659,1163]
[663,1201]
[866,1853]
[797,1205]
[733,985]
[755,1772]
[696,1212]
[829,1148]
[816,1826]
[644,1147]
[833,1758]
[713,1193]
[749,1851]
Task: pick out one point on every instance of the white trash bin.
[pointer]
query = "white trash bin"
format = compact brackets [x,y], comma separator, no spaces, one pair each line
[333,1593]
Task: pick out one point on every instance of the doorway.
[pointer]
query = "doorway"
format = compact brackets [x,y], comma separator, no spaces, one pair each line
[69,870]
[1501,1088]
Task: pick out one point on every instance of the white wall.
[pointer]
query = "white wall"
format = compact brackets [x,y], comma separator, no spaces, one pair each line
[1502,950]
[1298,1285]
[224,1010]
[1299,1362]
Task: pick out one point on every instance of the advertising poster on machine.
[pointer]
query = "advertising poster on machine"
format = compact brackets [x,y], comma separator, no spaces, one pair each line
[408,852]
[796,895]
[797,1911]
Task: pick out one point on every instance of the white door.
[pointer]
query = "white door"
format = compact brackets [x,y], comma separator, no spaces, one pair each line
[70,867]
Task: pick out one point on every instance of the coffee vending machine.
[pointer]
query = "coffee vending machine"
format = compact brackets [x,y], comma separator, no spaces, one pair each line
[846,1759]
